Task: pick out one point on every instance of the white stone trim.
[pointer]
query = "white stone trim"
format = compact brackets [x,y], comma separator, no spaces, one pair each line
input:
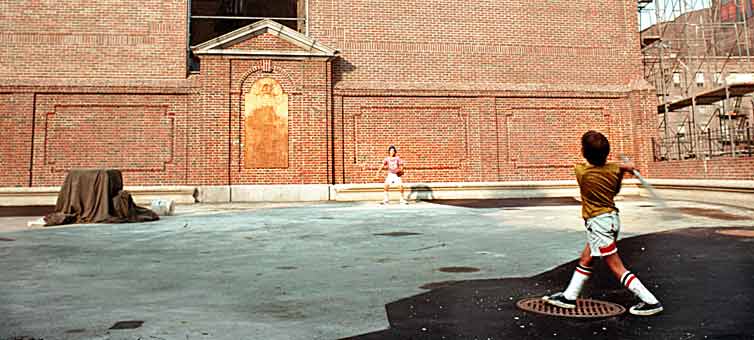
[142,195]
[309,46]
[280,193]
[261,53]
[726,192]
[470,190]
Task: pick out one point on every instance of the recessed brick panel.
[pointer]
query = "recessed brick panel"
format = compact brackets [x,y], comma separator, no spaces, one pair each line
[143,135]
[15,144]
[129,138]
[427,137]
[539,137]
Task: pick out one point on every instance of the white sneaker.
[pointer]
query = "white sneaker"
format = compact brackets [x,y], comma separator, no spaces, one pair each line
[403,201]
[384,202]
[645,309]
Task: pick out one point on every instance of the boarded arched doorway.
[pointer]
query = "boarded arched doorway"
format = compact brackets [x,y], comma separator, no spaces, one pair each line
[266,125]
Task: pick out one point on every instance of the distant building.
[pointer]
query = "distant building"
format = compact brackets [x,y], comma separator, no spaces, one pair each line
[692,61]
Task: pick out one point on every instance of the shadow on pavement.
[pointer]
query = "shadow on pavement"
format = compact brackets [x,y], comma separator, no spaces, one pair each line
[509,202]
[40,210]
[704,278]
[421,192]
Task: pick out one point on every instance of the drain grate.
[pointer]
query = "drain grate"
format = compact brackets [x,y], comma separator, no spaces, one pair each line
[737,232]
[585,308]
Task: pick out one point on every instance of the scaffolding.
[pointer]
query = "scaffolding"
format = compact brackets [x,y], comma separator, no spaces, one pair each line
[697,53]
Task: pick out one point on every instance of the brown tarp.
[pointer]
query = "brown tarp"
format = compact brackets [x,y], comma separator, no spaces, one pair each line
[96,196]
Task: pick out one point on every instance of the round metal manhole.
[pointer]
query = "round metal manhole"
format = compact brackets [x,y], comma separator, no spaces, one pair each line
[585,308]
[737,232]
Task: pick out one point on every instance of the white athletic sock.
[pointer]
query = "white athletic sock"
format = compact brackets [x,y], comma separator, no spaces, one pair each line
[386,196]
[630,281]
[580,276]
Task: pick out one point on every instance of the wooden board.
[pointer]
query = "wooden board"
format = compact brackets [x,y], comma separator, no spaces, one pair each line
[266,125]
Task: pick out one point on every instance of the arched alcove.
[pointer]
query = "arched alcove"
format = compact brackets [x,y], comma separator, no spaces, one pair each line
[266,125]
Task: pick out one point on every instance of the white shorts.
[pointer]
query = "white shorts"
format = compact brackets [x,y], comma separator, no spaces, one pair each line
[392,179]
[602,233]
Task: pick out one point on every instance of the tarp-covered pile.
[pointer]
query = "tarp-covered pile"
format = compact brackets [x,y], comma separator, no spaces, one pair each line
[96,196]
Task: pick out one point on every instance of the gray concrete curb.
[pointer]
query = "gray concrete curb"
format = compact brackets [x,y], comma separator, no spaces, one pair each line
[724,192]
[143,195]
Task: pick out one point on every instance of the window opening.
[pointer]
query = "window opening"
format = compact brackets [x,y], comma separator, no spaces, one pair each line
[212,18]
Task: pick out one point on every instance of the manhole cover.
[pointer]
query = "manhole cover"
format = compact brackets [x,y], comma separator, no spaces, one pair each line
[585,308]
[737,232]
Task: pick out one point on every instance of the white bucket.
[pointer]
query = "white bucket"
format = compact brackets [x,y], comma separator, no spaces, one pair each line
[163,207]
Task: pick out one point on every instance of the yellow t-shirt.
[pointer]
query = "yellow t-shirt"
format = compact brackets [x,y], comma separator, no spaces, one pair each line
[599,185]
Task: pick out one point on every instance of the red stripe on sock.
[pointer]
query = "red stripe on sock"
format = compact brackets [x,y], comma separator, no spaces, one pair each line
[583,272]
[631,278]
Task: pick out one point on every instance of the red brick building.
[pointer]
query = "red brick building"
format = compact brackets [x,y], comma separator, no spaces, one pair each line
[480,91]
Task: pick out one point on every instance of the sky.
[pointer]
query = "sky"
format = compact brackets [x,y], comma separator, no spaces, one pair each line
[670,9]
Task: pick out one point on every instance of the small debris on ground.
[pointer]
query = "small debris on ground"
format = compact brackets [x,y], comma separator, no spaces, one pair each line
[131,324]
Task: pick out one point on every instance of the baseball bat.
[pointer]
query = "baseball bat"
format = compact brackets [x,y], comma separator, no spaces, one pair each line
[646,184]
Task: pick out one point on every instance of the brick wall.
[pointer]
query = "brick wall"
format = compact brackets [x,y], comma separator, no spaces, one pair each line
[266,42]
[430,44]
[482,91]
[717,168]
[84,39]
[15,148]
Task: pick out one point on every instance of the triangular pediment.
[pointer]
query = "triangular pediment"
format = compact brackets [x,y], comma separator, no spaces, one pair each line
[265,38]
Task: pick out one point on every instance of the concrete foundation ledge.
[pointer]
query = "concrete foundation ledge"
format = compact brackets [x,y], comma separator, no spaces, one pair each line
[738,193]
[213,194]
[273,193]
[142,195]
[469,190]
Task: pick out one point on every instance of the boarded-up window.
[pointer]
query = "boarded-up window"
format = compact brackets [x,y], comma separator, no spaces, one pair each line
[266,125]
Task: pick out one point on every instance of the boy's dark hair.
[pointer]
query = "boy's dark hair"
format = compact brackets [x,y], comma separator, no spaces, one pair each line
[392,147]
[595,147]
